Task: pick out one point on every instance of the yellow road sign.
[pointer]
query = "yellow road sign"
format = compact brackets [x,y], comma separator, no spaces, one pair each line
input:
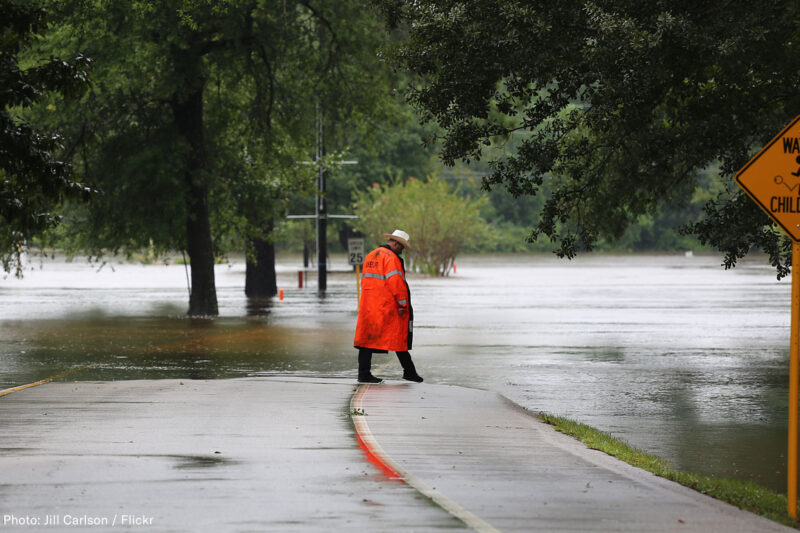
[772,179]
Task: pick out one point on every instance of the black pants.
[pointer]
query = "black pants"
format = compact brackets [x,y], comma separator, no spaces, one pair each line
[365,362]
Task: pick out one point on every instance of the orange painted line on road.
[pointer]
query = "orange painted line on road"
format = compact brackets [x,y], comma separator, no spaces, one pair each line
[376,459]
[376,455]
[40,382]
[366,441]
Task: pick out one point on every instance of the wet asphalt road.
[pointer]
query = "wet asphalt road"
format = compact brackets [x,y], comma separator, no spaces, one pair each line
[280,454]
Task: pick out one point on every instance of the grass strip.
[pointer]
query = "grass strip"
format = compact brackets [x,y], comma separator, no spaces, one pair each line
[743,494]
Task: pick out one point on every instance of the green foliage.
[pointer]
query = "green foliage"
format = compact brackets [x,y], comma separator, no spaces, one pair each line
[33,178]
[441,223]
[623,104]
[200,113]
[511,218]
[130,142]
[390,150]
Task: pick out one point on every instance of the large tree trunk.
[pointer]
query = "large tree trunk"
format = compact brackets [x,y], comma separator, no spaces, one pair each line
[203,299]
[260,280]
[187,106]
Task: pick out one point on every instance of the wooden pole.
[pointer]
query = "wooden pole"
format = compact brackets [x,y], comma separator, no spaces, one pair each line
[358,286]
[322,209]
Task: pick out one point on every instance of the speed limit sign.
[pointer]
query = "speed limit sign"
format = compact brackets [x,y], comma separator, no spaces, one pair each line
[355,251]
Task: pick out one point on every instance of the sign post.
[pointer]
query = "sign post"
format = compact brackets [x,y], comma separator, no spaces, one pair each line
[355,256]
[772,180]
[794,376]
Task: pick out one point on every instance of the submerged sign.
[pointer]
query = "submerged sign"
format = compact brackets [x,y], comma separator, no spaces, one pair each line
[772,179]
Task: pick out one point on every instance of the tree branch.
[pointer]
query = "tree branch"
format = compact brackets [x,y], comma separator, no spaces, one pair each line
[334,40]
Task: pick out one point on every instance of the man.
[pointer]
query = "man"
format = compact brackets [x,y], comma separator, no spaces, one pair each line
[385,316]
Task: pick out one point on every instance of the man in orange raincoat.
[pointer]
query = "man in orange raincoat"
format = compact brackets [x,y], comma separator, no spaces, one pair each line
[385,316]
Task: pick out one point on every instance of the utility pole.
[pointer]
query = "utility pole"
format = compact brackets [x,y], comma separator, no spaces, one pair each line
[322,210]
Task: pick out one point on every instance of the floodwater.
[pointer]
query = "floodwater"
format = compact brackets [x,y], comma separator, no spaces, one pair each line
[670,353]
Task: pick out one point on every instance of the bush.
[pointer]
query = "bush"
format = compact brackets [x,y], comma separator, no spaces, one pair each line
[439,222]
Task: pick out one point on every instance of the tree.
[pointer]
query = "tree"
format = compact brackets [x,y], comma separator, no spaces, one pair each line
[388,151]
[33,179]
[198,117]
[624,104]
[439,222]
[349,90]
[142,131]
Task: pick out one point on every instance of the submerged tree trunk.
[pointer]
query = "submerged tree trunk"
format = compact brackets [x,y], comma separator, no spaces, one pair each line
[203,299]
[187,107]
[260,279]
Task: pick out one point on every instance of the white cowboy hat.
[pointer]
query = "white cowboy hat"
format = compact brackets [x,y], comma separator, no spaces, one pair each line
[399,236]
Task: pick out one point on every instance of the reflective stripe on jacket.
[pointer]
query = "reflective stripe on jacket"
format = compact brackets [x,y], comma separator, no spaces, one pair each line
[385,306]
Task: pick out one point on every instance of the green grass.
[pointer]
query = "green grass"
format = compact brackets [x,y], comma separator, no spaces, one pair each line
[745,495]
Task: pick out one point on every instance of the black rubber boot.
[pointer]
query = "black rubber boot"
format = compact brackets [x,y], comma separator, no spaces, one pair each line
[409,372]
[365,368]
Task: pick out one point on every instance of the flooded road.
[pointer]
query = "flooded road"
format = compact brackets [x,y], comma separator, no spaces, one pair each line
[670,353]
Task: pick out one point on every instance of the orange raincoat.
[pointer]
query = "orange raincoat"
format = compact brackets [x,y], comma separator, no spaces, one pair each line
[384,313]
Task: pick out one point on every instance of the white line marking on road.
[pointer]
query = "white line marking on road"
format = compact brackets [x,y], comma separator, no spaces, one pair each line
[377,454]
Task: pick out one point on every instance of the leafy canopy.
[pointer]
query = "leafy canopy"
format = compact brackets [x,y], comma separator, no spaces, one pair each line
[33,178]
[265,68]
[620,104]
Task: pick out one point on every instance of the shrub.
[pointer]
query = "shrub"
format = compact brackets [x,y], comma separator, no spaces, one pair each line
[439,222]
